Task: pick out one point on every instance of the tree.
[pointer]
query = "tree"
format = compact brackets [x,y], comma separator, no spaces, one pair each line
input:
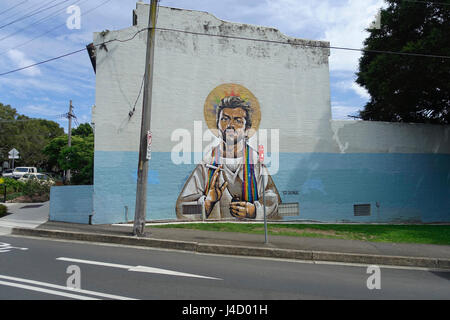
[79,157]
[408,88]
[83,130]
[27,135]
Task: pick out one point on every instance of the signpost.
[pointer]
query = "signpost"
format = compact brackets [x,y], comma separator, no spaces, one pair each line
[13,154]
[149,145]
[261,160]
[2,184]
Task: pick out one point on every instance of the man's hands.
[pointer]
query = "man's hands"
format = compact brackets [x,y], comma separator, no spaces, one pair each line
[243,210]
[215,192]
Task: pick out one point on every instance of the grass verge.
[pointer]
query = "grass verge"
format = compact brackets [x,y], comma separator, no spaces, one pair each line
[422,234]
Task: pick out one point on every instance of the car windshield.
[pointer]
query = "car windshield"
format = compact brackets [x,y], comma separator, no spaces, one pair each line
[22,169]
[41,176]
[26,176]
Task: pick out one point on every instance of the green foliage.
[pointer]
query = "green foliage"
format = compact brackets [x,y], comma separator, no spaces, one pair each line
[33,188]
[79,158]
[408,88]
[13,185]
[28,137]
[3,210]
[83,130]
[425,234]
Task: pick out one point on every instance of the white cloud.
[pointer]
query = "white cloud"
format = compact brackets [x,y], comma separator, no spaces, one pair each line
[360,91]
[19,59]
[350,85]
[341,112]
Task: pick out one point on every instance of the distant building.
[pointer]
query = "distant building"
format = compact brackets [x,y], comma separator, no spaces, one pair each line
[327,170]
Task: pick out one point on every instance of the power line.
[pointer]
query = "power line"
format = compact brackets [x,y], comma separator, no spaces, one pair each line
[53,14]
[427,2]
[32,8]
[293,43]
[42,62]
[53,29]
[9,9]
[32,14]
[306,45]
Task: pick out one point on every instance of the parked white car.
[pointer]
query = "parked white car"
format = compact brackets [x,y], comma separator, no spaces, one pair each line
[8,173]
[41,177]
[20,171]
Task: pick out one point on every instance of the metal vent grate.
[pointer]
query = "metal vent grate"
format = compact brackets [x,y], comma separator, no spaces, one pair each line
[189,209]
[289,209]
[361,210]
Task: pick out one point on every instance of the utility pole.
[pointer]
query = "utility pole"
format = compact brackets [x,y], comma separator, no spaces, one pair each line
[141,189]
[69,141]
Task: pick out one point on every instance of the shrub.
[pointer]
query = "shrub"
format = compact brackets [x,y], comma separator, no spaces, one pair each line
[34,188]
[3,210]
[13,185]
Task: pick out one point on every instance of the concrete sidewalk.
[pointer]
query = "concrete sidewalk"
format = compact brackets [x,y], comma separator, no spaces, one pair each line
[300,248]
[24,215]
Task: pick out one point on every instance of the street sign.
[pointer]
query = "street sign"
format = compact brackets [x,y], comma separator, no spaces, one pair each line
[149,145]
[261,153]
[13,154]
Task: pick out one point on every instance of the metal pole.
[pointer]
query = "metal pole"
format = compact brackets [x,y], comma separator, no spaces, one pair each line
[141,188]
[266,241]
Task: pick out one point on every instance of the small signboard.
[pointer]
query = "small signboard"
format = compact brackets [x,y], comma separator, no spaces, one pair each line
[261,153]
[13,154]
[149,145]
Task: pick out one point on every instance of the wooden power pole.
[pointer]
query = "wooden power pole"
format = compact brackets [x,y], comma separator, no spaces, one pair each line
[144,156]
[69,141]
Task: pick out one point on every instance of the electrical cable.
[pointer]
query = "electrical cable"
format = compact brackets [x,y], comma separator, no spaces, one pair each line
[293,43]
[53,14]
[31,9]
[32,14]
[15,6]
[53,29]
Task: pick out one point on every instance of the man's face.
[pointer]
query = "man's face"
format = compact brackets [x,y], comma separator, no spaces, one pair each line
[232,125]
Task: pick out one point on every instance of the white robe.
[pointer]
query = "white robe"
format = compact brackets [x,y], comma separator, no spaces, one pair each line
[194,190]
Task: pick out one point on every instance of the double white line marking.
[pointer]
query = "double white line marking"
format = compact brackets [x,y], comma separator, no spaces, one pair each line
[6,247]
[66,292]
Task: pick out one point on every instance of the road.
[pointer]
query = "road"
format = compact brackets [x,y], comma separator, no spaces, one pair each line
[33,268]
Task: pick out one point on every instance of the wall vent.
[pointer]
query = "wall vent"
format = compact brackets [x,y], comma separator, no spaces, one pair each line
[361,210]
[190,209]
[289,209]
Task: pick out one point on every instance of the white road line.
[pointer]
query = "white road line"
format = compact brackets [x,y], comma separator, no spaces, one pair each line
[5,247]
[55,286]
[53,292]
[137,268]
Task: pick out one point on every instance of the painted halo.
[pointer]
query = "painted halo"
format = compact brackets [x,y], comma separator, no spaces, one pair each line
[230,90]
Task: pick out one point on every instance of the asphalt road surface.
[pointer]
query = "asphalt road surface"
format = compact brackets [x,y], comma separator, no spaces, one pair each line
[33,268]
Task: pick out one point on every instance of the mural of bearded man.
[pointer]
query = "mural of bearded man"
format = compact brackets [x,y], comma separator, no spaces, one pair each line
[229,183]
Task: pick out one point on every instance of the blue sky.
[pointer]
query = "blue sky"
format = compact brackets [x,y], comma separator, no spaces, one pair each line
[44,91]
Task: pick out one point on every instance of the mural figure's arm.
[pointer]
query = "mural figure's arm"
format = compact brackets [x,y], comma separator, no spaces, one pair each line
[215,192]
[270,194]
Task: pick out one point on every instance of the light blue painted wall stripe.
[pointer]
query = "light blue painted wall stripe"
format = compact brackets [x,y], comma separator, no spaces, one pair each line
[408,187]
[71,203]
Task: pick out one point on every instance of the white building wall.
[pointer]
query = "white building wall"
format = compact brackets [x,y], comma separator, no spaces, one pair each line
[326,166]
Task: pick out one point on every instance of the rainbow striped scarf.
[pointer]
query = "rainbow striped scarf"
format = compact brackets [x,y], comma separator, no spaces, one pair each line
[249,185]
